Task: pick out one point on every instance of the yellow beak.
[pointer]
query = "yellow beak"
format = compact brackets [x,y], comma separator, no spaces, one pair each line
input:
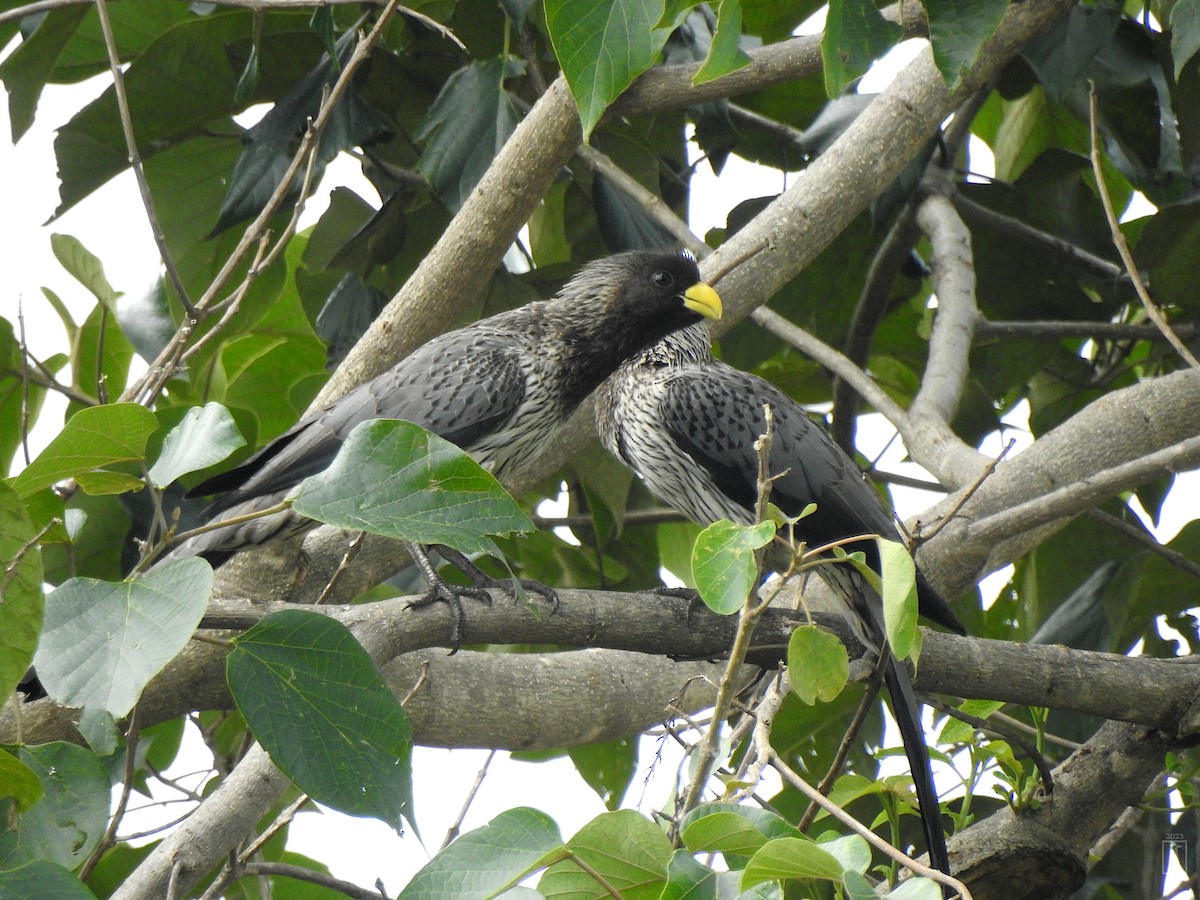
[703,299]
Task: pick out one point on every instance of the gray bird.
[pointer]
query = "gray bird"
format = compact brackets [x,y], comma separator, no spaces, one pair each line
[499,388]
[687,425]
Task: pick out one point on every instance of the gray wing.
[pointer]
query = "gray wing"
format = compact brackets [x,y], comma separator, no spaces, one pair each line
[715,414]
[461,386]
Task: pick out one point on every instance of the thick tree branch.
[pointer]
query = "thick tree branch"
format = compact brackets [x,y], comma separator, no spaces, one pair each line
[953,327]
[644,634]
[1120,428]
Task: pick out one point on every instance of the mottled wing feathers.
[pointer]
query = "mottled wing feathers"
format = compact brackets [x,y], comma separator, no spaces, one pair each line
[715,414]
[433,388]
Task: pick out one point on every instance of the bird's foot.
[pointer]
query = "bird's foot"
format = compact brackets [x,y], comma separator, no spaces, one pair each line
[440,591]
[483,580]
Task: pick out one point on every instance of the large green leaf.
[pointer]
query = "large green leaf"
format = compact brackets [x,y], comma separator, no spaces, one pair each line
[66,825]
[732,829]
[192,60]
[318,705]
[396,479]
[103,641]
[898,574]
[957,30]
[482,863]
[790,857]
[818,664]
[21,599]
[629,851]
[84,267]
[18,781]
[608,768]
[467,125]
[206,436]
[29,66]
[856,34]
[723,563]
[726,54]
[42,880]
[602,46]
[92,438]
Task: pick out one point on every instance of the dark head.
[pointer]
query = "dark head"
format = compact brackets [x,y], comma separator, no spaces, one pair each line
[618,306]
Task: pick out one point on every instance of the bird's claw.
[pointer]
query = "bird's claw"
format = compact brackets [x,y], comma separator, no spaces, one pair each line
[451,594]
[482,579]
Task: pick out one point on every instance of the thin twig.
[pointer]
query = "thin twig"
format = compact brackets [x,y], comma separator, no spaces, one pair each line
[839,759]
[706,753]
[135,159]
[132,733]
[287,870]
[1055,330]
[1002,731]
[835,361]
[920,536]
[790,776]
[1148,541]
[1097,266]
[24,381]
[455,827]
[343,565]
[147,387]
[1078,496]
[1122,245]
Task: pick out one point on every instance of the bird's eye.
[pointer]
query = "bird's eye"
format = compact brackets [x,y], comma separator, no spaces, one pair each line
[663,279]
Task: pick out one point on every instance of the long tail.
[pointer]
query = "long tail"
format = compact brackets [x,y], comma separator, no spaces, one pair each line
[907,713]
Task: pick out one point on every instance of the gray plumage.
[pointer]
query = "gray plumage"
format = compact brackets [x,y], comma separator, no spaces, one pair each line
[499,388]
[687,424]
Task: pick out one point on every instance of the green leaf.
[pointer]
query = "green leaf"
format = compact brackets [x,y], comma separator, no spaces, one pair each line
[206,436]
[602,46]
[102,482]
[1185,34]
[394,478]
[723,832]
[84,267]
[465,128]
[957,29]
[29,66]
[689,879]
[21,600]
[731,828]
[66,825]
[92,438]
[608,768]
[42,880]
[103,641]
[629,851]
[482,863]
[790,857]
[723,564]
[916,889]
[856,34]
[317,703]
[899,577]
[851,851]
[725,55]
[818,664]
[19,782]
